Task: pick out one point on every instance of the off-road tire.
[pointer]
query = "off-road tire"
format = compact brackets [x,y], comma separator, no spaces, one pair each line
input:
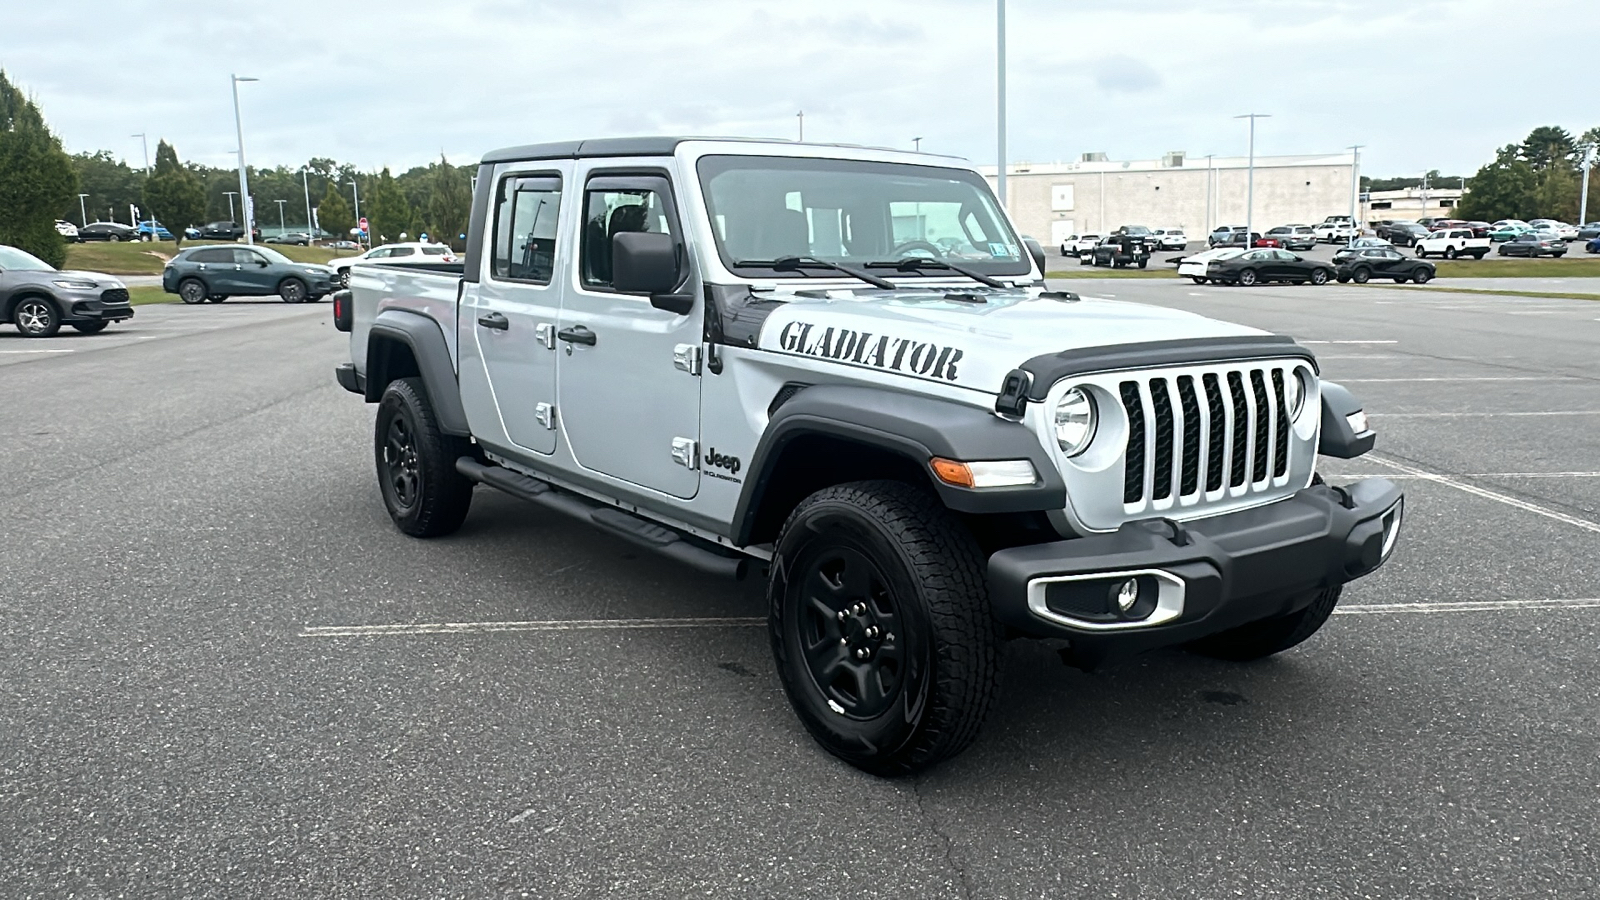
[925,569]
[438,496]
[36,317]
[90,327]
[192,291]
[1265,638]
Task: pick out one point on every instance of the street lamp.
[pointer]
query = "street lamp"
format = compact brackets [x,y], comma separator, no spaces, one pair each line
[356,193]
[305,184]
[146,144]
[1250,180]
[244,180]
[1210,180]
[916,144]
[230,195]
[83,211]
[1583,197]
[1000,99]
[1355,190]
[281,227]
[801,115]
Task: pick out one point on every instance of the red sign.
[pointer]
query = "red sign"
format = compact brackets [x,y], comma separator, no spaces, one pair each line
[363,223]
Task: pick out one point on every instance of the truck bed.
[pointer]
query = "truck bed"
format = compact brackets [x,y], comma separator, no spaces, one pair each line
[428,289]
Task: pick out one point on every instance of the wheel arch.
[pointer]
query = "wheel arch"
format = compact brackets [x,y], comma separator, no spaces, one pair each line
[403,344]
[830,434]
[16,299]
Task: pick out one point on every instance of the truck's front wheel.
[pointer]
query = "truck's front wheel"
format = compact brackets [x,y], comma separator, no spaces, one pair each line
[881,628]
[1261,639]
[425,495]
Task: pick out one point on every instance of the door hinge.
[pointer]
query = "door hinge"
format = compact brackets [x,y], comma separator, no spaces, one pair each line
[686,452]
[546,334]
[687,358]
[546,414]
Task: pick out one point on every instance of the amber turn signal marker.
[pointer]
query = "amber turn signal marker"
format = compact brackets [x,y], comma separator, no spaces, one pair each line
[951,472]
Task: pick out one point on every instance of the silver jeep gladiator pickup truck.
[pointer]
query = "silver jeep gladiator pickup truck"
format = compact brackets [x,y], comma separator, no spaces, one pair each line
[842,367]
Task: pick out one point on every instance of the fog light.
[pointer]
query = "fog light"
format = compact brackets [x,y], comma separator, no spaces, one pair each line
[1128,595]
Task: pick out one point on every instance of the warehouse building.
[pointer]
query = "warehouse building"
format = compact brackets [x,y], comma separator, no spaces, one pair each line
[1096,194]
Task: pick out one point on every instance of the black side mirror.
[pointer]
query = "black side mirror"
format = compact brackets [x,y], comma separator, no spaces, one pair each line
[647,263]
[261,263]
[1035,251]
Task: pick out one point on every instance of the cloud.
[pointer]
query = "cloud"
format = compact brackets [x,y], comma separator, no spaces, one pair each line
[1125,75]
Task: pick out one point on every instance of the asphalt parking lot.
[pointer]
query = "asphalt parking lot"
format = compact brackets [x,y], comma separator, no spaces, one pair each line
[198,697]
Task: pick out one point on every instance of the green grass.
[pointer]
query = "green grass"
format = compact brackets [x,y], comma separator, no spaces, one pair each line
[138,296]
[138,258]
[1491,267]
[1555,295]
[1097,272]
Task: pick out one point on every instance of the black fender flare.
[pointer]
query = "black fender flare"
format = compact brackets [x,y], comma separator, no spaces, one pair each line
[916,427]
[1338,439]
[427,344]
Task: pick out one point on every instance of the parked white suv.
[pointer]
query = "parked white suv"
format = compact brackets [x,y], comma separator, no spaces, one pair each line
[1085,243]
[1451,243]
[409,253]
[1170,239]
[1335,230]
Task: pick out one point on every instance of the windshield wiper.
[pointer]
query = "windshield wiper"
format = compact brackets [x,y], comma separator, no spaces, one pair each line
[913,263]
[800,263]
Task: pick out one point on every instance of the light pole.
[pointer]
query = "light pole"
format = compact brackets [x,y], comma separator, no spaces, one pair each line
[1000,101]
[1583,195]
[83,211]
[1355,190]
[1424,192]
[305,185]
[356,193]
[1210,179]
[146,144]
[1250,180]
[244,179]
[916,145]
[801,115]
[281,227]
[230,195]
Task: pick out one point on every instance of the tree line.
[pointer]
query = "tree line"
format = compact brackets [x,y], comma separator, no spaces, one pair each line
[1538,178]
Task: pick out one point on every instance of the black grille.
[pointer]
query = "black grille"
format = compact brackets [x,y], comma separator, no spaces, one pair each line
[114,295]
[1133,477]
[1189,434]
[1161,405]
[1190,482]
[1217,446]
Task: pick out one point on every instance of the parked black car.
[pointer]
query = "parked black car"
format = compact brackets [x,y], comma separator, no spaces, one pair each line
[215,273]
[38,299]
[1406,234]
[108,231]
[1257,266]
[1119,250]
[1533,243]
[1354,248]
[1389,229]
[1381,262]
[218,231]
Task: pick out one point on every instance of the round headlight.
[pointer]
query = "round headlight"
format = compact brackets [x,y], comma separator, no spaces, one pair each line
[1075,421]
[1295,390]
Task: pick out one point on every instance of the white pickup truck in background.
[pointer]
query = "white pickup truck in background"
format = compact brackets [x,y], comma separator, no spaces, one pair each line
[1451,243]
[1336,230]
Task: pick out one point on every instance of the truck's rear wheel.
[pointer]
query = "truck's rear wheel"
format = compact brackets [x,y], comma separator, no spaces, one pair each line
[425,495]
[881,628]
[1261,639]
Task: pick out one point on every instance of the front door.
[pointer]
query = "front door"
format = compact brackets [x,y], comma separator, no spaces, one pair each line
[510,318]
[252,273]
[627,372]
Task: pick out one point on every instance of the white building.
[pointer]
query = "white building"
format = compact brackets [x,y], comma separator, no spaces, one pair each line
[1410,203]
[1052,201]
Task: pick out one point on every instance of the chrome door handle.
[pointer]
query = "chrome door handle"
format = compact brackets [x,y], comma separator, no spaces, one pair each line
[577,334]
[494,320]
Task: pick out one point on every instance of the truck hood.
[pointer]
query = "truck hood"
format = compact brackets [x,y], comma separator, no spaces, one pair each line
[924,333]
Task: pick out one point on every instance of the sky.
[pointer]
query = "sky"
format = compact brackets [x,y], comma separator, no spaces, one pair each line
[1424,84]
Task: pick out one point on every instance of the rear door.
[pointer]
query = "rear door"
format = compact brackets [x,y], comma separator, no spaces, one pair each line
[253,273]
[510,319]
[627,373]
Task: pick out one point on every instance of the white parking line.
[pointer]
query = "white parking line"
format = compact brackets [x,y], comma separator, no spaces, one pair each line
[1355,609]
[1464,415]
[1487,494]
[544,625]
[1478,475]
[1462,378]
[50,350]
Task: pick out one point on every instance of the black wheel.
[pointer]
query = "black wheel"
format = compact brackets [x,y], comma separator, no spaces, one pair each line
[1420,276]
[422,490]
[216,298]
[1558,255]
[1422,254]
[192,291]
[293,290]
[1361,276]
[1198,279]
[1261,639]
[880,626]
[113,238]
[90,327]
[1085,260]
[1319,276]
[1142,263]
[1247,277]
[1449,253]
[36,317]
[344,279]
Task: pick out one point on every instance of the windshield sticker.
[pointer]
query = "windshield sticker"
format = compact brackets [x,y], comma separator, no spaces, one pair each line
[864,348]
[998,249]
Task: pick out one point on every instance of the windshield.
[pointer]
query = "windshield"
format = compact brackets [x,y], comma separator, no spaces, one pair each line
[17,261]
[855,213]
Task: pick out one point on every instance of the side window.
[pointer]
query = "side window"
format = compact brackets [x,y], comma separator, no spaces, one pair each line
[525,229]
[248,257]
[211,256]
[402,251]
[608,213]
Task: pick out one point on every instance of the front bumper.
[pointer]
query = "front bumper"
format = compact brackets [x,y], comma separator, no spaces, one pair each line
[1196,578]
[93,307]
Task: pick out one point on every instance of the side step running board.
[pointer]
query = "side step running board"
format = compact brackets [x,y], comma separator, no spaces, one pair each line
[632,528]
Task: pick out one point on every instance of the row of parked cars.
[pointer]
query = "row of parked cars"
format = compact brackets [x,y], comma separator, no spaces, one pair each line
[1362,261]
[114,232]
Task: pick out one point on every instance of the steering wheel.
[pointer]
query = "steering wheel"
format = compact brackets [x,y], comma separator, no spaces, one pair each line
[905,249]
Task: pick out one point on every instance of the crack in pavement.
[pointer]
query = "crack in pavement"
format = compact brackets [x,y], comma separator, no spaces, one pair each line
[944,838]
